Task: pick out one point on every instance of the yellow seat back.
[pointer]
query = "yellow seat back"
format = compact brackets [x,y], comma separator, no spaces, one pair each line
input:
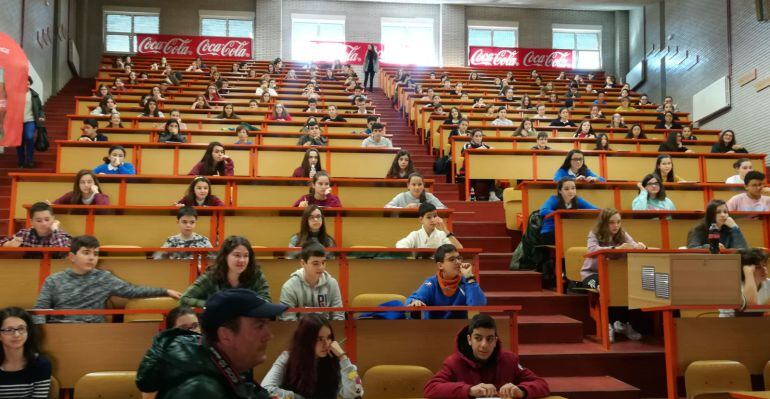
[165,303]
[380,381]
[107,385]
[375,300]
[715,379]
[55,387]
[573,262]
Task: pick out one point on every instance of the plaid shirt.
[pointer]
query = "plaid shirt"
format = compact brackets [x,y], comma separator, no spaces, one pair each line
[30,238]
[176,241]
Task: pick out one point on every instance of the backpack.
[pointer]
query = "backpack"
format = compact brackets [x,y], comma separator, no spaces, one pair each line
[529,256]
[442,166]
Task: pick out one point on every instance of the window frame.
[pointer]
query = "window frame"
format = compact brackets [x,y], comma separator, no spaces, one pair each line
[417,22]
[317,20]
[577,29]
[126,11]
[493,27]
[227,16]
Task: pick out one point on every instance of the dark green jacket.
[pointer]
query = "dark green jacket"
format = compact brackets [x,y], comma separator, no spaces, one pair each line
[205,286]
[37,108]
[179,366]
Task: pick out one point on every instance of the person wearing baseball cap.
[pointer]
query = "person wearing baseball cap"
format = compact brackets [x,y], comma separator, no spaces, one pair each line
[214,365]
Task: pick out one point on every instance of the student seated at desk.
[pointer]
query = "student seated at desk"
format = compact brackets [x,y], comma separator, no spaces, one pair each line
[525,129]
[664,167]
[199,194]
[433,233]
[175,114]
[402,166]
[242,132]
[376,139]
[234,267]
[574,167]
[214,162]
[83,286]
[585,130]
[106,107]
[726,144]
[636,132]
[542,142]
[673,143]
[652,195]
[742,166]
[25,373]
[114,122]
[565,198]
[171,134]
[755,286]
[90,131]
[415,195]
[151,110]
[453,285]
[687,133]
[312,228]
[608,234]
[502,117]
[114,163]
[311,285]
[314,366]
[310,164]
[279,113]
[313,136]
[227,113]
[320,193]
[480,367]
[730,235]
[752,200]
[45,231]
[201,102]
[85,191]
[186,220]
[668,122]
[332,115]
[563,119]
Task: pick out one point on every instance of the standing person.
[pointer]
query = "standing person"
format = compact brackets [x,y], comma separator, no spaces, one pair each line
[453,285]
[480,368]
[314,366]
[235,267]
[33,119]
[182,364]
[24,372]
[371,65]
[311,285]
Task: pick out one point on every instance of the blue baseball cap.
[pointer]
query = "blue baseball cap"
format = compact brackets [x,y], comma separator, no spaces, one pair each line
[230,304]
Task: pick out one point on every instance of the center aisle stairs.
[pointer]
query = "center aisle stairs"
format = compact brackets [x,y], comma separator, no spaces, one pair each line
[56,109]
[557,337]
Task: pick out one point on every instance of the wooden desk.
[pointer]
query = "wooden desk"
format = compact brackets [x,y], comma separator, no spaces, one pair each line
[750,395]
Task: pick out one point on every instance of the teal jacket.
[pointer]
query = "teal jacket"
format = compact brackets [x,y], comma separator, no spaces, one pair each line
[179,366]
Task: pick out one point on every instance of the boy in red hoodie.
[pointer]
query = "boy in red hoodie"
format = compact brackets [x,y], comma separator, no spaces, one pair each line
[479,368]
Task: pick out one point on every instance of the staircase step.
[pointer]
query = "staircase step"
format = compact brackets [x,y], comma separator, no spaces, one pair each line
[594,387]
[489,243]
[480,229]
[545,302]
[495,261]
[507,280]
[549,329]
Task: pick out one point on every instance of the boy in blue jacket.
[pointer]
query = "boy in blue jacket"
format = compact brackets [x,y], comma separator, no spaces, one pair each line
[453,285]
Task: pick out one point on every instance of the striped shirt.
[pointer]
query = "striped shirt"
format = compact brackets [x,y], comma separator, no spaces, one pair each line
[34,381]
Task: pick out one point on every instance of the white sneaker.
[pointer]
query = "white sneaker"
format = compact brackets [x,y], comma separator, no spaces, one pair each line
[627,330]
[611,334]
[493,197]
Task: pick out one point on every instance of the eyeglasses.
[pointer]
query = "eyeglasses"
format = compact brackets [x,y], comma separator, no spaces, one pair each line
[13,331]
[577,159]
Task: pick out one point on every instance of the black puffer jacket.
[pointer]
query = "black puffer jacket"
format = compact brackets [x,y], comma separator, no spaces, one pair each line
[180,366]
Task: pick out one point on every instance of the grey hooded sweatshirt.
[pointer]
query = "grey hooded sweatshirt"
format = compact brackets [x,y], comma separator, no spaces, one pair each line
[297,293]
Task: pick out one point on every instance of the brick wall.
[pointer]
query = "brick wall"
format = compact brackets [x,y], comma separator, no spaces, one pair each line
[453,35]
[267,38]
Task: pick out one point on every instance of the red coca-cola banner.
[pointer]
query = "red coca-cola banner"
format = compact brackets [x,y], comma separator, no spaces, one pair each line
[14,70]
[352,53]
[234,48]
[520,58]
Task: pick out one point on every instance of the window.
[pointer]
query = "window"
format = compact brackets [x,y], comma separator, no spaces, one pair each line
[492,36]
[408,41]
[227,27]
[121,27]
[318,38]
[585,41]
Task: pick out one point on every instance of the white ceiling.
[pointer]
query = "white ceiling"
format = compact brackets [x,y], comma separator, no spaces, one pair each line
[603,5]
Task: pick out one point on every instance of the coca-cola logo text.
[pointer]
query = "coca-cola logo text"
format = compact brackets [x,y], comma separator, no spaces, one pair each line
[194,46]
[492,57]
